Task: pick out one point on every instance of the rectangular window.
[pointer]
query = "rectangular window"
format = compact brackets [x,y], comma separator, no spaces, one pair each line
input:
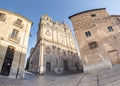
[14,34]
[93,45]
[2,16]
[88,33]
[19,21]
[93,15]
[110,29]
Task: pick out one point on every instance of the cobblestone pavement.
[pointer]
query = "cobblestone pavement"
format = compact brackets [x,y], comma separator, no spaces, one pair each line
[110,77]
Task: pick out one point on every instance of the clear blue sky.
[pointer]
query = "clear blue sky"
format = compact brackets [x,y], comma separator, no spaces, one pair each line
[59,10]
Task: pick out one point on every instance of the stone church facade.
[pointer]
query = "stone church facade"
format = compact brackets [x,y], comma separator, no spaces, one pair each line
[55,49]
[14,35]
[98,36]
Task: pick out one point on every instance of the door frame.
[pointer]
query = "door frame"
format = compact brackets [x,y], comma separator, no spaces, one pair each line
[116,55]
[48,66]
[7,63]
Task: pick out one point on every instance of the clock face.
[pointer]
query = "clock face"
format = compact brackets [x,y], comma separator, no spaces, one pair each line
[47,32]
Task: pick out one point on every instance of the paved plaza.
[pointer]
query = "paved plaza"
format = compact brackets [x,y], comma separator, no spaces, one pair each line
[110,77]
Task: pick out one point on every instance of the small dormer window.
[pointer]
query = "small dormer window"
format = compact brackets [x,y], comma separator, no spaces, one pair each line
[93,15]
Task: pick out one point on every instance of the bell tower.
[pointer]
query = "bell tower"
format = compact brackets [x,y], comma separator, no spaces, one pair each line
[45,23]
[44,35]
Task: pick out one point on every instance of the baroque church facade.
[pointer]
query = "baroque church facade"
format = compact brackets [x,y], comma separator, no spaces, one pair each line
[14,35]
[55,49]
[98,36]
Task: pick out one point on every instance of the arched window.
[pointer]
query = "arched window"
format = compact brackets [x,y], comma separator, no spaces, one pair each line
[64,53]
[88,33]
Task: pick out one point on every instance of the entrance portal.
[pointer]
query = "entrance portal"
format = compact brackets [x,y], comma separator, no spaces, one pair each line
[65,64]
[48,67]
[8,61]
[114,57]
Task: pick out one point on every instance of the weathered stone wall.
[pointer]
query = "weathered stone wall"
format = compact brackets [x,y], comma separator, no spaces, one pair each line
[56,45]
[104,54]
[20,42]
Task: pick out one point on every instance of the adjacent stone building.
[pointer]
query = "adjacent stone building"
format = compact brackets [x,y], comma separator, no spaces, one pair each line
[14,35]
[98,36]
[55,49]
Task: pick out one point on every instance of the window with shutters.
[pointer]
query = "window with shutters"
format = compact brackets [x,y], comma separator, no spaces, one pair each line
[14,33]
[18,23]
[14,36]
[2,17]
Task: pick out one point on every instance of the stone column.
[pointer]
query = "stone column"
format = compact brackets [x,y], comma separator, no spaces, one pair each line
[58,58]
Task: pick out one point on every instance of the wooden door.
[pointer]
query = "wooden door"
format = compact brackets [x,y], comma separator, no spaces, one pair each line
[114,58]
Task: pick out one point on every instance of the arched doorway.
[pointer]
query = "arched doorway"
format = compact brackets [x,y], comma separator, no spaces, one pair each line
[8,61]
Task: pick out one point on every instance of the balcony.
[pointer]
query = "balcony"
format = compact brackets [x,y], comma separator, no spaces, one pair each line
[20,25]
[14,39]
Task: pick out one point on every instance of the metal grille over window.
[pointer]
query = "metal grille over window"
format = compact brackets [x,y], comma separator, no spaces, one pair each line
[93,45]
